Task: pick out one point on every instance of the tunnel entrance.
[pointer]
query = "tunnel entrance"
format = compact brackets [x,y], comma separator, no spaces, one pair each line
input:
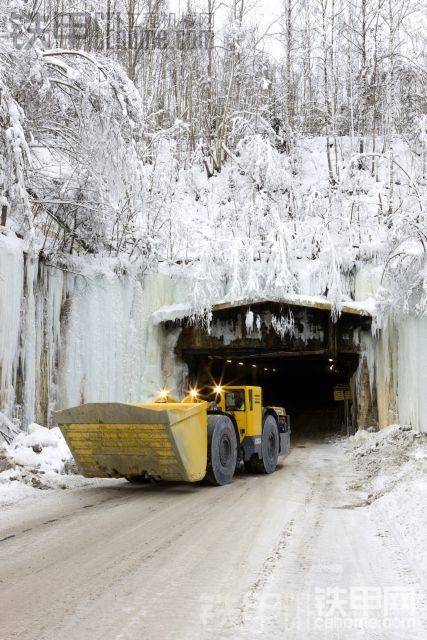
[305,385]
[303,357]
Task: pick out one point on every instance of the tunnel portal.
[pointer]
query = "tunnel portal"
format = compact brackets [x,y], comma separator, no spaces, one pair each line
[302,356]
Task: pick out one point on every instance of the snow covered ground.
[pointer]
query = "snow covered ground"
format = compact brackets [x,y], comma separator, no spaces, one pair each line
[390,464]
[330,547]
[307,553]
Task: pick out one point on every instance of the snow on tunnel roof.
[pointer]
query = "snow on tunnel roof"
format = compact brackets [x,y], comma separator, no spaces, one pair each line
[174,312]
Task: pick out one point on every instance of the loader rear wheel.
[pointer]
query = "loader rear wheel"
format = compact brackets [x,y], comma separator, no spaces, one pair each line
[269,447]
[222,450]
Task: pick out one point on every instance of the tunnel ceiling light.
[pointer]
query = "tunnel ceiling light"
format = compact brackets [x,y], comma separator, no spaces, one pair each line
[254,366]
[229,361]
[331,359]
[274,369]
[265,368]
[241,363]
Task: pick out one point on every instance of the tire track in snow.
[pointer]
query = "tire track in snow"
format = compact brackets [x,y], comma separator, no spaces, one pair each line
[291,555]
[272,560]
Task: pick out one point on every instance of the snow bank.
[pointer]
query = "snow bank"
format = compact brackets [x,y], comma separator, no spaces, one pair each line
[391,468]
[40,448]
[39,459]
[386,457]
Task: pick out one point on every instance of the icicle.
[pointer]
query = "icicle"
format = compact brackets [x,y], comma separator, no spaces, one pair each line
[284,326]
[30,355]
[249,321]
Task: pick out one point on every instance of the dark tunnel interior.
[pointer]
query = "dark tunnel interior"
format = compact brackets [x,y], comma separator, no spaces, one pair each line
[303,384]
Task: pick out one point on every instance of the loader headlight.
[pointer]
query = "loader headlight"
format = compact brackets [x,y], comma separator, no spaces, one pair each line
[217,389]
[194,393]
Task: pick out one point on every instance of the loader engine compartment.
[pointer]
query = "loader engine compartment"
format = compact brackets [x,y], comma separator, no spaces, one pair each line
[304,385]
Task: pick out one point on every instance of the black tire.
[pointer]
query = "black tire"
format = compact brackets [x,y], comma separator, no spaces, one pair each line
[222,450]
[270,445]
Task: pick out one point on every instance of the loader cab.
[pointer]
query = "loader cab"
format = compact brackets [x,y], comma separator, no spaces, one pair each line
[245,404]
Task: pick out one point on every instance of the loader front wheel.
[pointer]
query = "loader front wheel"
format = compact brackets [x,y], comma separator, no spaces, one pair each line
[222,450]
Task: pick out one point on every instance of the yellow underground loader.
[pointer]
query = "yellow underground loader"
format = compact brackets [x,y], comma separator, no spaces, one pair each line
[178,441]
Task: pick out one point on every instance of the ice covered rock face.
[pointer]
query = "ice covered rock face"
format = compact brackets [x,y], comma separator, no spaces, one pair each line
[11,294]
[79,338]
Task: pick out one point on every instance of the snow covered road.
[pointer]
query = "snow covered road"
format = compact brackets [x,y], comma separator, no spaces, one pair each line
[297,554]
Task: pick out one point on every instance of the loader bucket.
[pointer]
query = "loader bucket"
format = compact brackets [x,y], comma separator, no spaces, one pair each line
[161,440]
